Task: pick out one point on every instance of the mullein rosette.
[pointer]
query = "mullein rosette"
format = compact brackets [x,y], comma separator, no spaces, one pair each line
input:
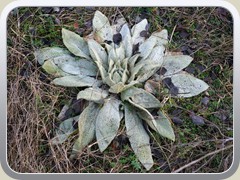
[113,63]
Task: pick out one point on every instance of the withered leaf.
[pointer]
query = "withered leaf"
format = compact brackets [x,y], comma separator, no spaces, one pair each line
[117,38]
[144,33]
[198,120]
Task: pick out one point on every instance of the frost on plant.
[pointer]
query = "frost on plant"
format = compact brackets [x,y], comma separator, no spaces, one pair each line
[114,64]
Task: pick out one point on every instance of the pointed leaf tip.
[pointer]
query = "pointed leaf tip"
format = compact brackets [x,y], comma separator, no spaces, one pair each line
[138,137]
[75,43]
[164,127]
[188,85]
[101,28]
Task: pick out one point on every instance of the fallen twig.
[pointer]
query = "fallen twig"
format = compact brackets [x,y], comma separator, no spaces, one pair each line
[201,158]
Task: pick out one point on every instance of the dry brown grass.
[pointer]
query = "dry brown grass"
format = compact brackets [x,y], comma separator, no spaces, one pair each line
[34,104]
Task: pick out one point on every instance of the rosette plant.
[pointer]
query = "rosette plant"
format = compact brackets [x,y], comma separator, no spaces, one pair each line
[112,65]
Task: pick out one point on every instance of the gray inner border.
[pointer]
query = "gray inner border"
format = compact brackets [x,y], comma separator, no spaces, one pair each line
[123,3]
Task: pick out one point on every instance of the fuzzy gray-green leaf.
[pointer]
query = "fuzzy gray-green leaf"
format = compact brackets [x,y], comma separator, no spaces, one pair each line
[75,43]
[144,114]
[75,66]
[117,53]
[188,85]
[150,69]
[146,48]
[136,30]
[151,64]
[101,28]
[86,126]
[98,53]
[93,94]
[107,123]
[175,63]
[135,70]
[51,68]
[76,81]
[127,40]
[164,127]
[138,137]
[48,53]
[156,56]
[162,37]
[132,61]
[65,130]
[99,56]
[141,97]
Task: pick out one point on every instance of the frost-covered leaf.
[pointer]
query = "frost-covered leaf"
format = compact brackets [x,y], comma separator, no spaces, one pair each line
[138,137]
[175,63]
[65,130]
[48,53]
[141,97]
[136,30]
[126,40]
[162,37]
[93,94]
[75,43]
[76,81]
[107,123]
[51,68]
[188,85]
[164,127]
[101,28]
[119,87]
[86,126]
